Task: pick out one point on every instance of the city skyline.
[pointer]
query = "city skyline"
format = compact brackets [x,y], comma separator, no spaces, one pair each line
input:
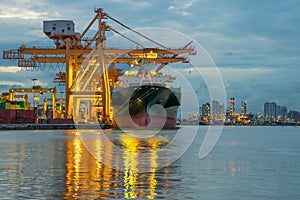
[215,113]
[241,104]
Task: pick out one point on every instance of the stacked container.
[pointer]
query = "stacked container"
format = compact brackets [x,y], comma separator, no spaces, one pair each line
[7,116]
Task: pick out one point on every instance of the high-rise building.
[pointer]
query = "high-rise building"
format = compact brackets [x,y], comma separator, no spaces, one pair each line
[204,112]
[295,115]
[207,108]
[270,109]
[201,112]
[217,110]
[244,107]
[281,111]
[232,106]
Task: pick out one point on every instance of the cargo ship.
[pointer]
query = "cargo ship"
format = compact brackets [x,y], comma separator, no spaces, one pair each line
[141,98]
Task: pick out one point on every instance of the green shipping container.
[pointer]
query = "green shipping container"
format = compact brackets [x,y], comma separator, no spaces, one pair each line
[2,105]
[21,103]
[7,106]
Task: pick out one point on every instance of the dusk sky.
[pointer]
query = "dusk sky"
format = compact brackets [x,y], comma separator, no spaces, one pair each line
[255,44]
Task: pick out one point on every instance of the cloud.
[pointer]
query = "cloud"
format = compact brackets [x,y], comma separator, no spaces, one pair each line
[11,83]
[182,7]
[13,75]
[24,10]
[259,85]
[229,53]
[233,72]
[9,69]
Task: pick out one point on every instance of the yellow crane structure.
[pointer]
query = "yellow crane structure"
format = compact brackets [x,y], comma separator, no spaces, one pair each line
[59,111]
[18,96]
[34,90]
[86,75]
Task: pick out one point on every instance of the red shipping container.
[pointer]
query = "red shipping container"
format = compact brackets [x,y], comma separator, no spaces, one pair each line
[60,121]
[26,113]
[7,113]
[7,120]
[26,120]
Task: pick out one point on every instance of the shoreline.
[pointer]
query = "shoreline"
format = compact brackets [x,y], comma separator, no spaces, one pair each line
[98,126]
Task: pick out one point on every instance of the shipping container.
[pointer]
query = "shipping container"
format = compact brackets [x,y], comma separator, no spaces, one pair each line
[7,105]
[60,121]
[26,121]
[7,116]
[7,113]
[25,113]
[25,116]
[2,105]
[7,120]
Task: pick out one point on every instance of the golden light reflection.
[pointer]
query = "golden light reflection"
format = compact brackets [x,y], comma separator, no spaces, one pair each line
[232,168]
[238,167]
[131,155]
[86,177]
[153,167]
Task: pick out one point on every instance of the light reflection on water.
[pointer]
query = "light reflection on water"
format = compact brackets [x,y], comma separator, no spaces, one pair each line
[88,178]
[247,163]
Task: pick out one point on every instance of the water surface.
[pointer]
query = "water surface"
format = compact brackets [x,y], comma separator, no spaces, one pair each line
[246,163]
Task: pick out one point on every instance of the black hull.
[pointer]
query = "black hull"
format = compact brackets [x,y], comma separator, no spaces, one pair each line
[145,106]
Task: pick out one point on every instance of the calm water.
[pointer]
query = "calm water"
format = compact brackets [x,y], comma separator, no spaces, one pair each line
[246,163]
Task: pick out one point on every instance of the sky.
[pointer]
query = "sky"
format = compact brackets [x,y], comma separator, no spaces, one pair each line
[255,44]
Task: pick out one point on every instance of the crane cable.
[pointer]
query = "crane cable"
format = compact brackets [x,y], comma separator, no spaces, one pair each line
[126,37]
[137,32]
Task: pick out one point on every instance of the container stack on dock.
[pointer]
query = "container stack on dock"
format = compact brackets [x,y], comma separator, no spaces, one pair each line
[20,112]
[7,116]
[25,116]
[13,112]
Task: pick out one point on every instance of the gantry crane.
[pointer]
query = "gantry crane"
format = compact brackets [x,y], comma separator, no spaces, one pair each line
[87,75]
[5,96]
[35,89]
[59,103]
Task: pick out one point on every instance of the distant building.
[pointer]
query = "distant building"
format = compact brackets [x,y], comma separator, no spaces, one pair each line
[270,109]
[281,111]
[295,115]
[244,107]
[232,106]
[201,112]
[217,110]
[204,112]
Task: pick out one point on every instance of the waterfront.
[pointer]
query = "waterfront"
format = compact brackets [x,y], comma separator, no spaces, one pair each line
[246,163]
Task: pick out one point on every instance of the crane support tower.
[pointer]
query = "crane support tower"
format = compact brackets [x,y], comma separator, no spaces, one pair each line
[82,55]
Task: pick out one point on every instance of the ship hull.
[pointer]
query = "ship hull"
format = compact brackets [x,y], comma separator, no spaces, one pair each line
[145,106]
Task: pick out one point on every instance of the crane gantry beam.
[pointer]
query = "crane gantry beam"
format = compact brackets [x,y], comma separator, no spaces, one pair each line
[19,53]
[110,60]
